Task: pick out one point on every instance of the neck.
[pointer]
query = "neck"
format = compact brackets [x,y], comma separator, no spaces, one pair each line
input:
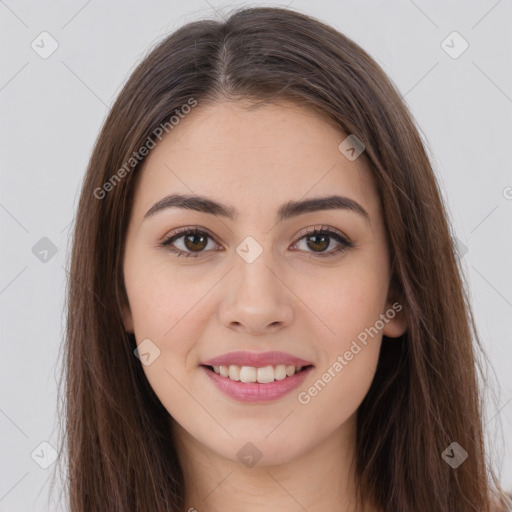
[318,479]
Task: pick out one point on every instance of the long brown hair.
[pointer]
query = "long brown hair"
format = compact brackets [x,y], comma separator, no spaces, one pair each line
[425,394]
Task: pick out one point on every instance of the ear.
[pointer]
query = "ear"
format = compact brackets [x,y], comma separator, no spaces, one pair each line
[395,312]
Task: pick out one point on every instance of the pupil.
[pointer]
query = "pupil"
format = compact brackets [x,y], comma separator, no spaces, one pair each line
[193,237]
[324,238]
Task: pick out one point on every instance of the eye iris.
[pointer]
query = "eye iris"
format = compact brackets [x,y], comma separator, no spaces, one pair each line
[188,238]
[324,238]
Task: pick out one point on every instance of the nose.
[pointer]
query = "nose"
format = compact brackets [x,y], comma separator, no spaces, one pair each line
[256,299]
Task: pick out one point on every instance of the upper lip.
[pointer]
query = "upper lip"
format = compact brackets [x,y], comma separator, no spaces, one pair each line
[256,359]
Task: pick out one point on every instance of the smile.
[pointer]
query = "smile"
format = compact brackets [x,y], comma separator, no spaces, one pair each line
[242,383]
[263,375]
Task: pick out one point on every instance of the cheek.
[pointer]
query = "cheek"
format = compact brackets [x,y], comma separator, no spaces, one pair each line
[165,310]
[350,307]
[350,355]
[349,303]
[162,299]
[161,313]
[335,396]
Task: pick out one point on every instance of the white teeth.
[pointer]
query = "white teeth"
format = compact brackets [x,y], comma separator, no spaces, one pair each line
[262,375]
[280,372]
[265,374]
[234,372]
[248,374]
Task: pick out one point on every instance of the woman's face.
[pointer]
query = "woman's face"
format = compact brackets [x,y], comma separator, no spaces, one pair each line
[255,278]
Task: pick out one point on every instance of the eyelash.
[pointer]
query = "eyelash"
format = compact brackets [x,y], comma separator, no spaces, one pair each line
[344,243]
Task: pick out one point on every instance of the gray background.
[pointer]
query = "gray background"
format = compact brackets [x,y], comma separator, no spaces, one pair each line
[52,110]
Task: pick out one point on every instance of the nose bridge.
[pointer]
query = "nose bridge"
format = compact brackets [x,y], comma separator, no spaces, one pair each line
[258,300]
[253,268]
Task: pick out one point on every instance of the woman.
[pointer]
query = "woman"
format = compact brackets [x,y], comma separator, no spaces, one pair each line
[265,308]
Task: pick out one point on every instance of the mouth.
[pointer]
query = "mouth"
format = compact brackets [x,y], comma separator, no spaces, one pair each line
[261,375]
[252,384]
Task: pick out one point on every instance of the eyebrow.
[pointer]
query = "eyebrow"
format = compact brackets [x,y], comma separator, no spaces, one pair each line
[286,211]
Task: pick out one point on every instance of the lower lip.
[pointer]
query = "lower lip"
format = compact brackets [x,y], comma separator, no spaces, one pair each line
[254,391]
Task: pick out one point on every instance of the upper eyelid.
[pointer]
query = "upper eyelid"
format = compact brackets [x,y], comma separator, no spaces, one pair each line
[186,230]
[322,228]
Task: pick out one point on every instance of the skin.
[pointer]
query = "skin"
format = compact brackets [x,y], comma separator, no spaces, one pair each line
[289,299]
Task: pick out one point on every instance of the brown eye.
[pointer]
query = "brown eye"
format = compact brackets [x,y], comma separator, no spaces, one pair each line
[195,242]
[188,242]
[319,240]
[319,243]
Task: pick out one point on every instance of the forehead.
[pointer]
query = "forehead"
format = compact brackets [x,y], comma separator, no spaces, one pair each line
[254,159]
